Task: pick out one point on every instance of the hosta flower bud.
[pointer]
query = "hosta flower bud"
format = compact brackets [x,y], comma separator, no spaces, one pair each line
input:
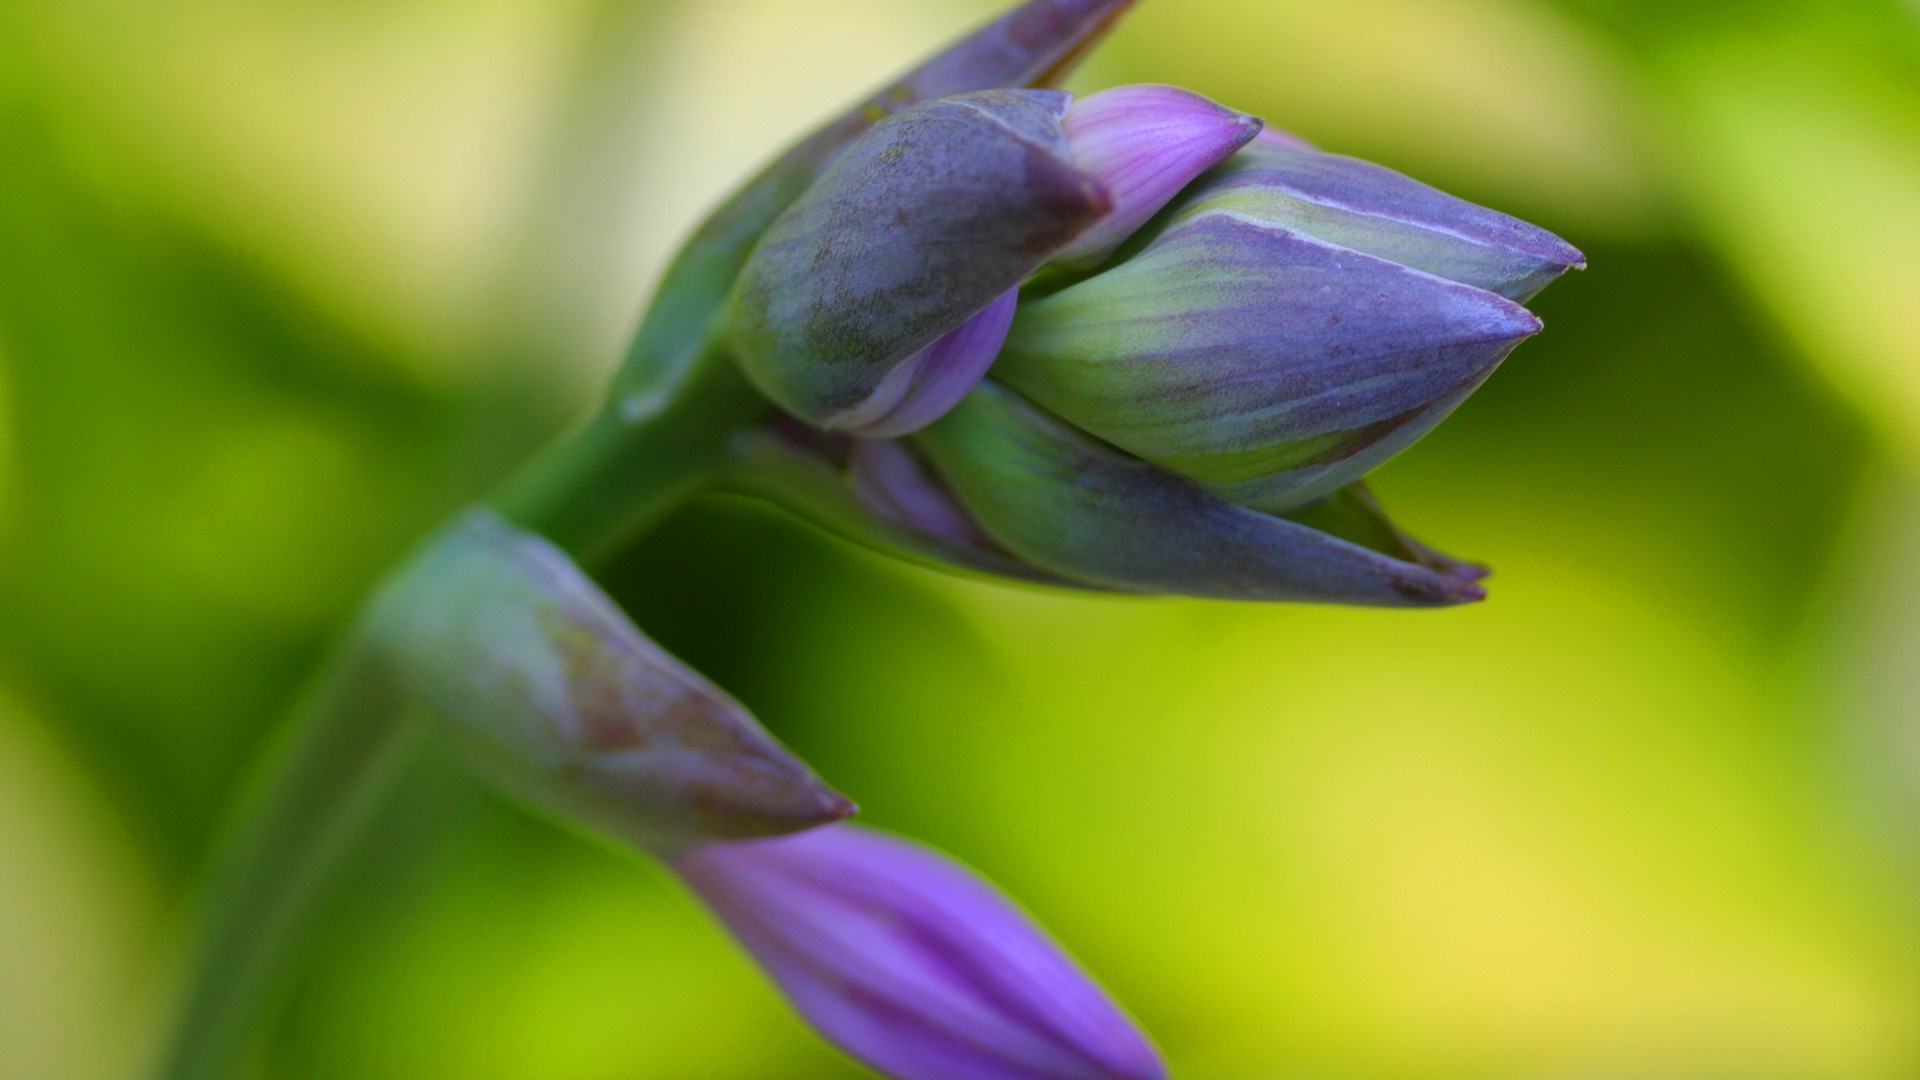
[912,964]
[1215,331]
[1079,509]
[1269,365]
[923,224]
[561,699]
[1356,204]
[1146,144]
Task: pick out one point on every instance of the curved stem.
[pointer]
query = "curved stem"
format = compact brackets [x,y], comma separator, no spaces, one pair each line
[355,730]
[643,456]
[348,740]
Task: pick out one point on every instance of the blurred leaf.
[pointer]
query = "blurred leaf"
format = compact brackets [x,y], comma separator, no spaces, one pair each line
[6,448]
[76,917]
[1804,167]
[1542,838]
[378,156]
[1644,434]
[203,482]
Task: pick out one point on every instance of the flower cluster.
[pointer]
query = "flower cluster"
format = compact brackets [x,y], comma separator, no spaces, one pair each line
[1135,342]
[1132,342]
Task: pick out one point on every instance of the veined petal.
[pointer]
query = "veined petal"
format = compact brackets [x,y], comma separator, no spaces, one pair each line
[1235,353]
[1372,209]
[1069,504]
[914,965]
[1146,144]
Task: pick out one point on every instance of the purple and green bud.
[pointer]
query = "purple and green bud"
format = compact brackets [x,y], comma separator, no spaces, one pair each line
[1075,507]
[1364,207]
[1268,365]
[567,705]
[927,222]
[1187,338]
[914,965]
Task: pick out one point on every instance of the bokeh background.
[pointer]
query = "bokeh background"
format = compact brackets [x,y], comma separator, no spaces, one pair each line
[283,282]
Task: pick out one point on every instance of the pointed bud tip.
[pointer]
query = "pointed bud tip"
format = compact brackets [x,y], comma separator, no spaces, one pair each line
[914,964]
[1441,590]
[1146,143]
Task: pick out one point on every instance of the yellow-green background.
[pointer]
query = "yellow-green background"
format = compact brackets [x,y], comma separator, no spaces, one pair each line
[284,281]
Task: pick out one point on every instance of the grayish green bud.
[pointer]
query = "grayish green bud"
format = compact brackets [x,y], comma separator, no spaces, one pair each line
[562,700]
[921,225]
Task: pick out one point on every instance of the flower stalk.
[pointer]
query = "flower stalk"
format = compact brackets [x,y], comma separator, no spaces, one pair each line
[348,742]
[1127,344]
[666,432]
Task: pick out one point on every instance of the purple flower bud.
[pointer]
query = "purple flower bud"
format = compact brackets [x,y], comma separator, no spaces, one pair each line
[568,706]
[925,223]
[1078,508]
[1146,144]
[1367,208]
[1271,366]
[914,965]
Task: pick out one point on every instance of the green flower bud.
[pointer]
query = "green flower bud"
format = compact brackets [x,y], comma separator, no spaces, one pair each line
[561,699]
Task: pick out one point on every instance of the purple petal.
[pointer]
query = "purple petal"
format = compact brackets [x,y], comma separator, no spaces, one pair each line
[1369,208]
[927,385]
[894,487]
[914,965]
[1145,144]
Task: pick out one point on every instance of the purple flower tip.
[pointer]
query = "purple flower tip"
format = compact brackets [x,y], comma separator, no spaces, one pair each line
[928,384]
[1145,144]
[914,965]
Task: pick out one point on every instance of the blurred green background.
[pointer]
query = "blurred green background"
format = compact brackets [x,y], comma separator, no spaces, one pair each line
[282,282]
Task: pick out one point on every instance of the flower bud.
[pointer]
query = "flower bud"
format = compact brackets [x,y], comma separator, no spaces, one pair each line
[1079,509]
[1145,144]
[912,964]
[923,224]
[1365,207]
[1270,366]
[562,700]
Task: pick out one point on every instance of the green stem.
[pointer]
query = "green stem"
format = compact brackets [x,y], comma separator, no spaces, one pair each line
[348,740]
[634,463]
[354,732]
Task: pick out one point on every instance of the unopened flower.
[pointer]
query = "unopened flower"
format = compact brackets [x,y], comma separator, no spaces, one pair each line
[560,698]
[912,964]
[925,223]
[1303,318]
[1190,386]
[886,291]
[1145,144]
